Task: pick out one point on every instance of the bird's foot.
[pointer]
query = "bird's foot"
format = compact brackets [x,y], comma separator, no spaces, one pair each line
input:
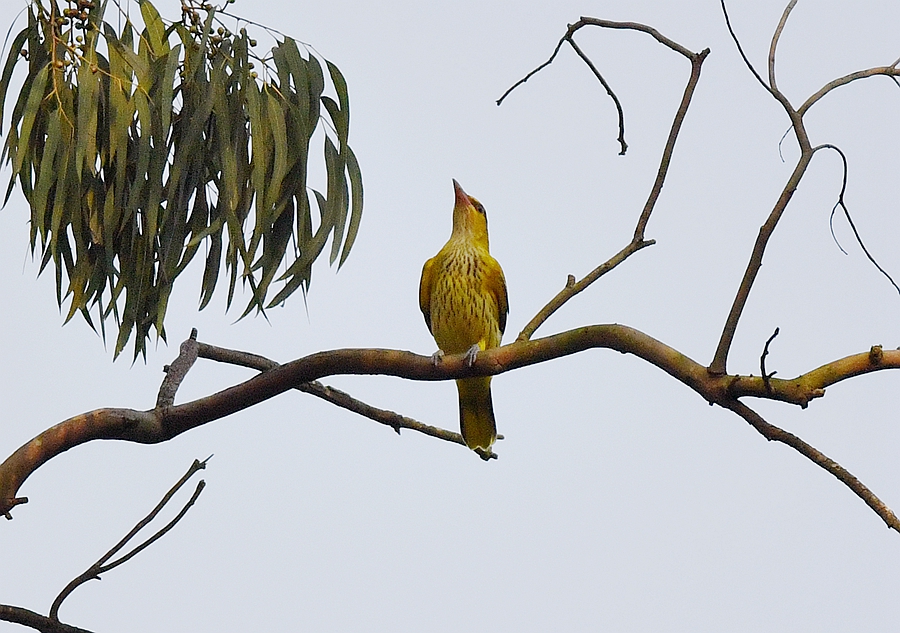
[471,355]
[437,357]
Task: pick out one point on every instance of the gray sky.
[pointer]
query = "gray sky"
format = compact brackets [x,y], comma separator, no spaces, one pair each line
[621,501]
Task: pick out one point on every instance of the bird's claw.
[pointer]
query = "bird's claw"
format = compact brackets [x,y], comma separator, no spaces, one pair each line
[437,357]
[471,355]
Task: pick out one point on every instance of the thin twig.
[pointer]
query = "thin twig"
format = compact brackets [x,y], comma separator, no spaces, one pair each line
[767,377]
[638,242]
[840,203]
[774,433]
[587,60]
[101,566]
[572,287]
[533,72]
[889,71]
[335,396]
[771,89]
[774,45]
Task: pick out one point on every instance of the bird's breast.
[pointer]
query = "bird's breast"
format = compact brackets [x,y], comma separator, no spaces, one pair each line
[463,312]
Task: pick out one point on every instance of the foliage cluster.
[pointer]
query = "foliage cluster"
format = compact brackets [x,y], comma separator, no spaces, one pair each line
[133,151]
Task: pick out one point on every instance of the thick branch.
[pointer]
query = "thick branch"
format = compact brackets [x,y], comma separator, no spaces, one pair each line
[155,426]
[36,621]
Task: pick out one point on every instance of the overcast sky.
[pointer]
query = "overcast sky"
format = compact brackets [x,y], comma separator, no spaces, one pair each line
[621,501]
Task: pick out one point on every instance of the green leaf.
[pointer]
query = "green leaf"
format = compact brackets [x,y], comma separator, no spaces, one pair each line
[11,60]
[337,196]
[35,96]
[156,30]
[342,118]
[356,205]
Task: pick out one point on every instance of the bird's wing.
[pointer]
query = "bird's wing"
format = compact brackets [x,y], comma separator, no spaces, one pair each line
[425,285]
[495,284]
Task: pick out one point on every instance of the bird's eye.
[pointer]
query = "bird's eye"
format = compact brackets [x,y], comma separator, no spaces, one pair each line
[480,208]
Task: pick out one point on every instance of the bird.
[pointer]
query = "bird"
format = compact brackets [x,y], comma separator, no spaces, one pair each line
[462,295]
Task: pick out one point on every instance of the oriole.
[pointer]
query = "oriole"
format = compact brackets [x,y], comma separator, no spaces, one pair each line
[463,297]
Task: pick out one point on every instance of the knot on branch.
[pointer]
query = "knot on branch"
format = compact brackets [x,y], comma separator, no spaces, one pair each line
[9,504]
[176,372]
[876,355]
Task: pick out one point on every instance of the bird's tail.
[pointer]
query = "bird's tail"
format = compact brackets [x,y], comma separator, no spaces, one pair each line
[476,412]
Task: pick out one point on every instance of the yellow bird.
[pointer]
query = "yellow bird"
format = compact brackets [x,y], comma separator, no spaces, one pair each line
[463,297]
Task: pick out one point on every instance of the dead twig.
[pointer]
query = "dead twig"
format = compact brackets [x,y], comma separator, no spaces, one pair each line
[638,242]
[335,396]
[842,204]
[762,363]
[776,434]
[102,566]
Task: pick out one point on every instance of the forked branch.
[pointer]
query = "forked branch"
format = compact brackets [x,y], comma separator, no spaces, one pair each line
[720,358]
[638,242]
[104,564]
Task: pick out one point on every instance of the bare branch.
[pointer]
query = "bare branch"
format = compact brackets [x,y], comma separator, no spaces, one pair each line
[572,287]
[101,566]
[772,89]
[889,71]
[638,242]
[774,45]
[840,203]
[696,65]
[773,433]
[36,621]
[762,363]
[718,364]
[177,371]
[622,144]
[535,71]
[335,396]
[150,427]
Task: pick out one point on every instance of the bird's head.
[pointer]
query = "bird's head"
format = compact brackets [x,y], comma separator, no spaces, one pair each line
[469,216]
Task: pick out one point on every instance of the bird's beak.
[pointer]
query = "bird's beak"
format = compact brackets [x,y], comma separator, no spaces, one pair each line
[461,198]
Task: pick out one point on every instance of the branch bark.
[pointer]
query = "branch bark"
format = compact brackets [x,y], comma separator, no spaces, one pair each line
[159,425]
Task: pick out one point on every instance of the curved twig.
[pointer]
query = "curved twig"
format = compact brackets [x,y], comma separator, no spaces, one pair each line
[587,60]
[775,37]
[767,377]
[638,242]
[840,203]
[889,71]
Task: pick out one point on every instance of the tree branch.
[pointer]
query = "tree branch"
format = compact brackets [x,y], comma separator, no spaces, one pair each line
[159,425]
[36,621]
[335,396]
[773,433]
[889,71]
[638,242]
[774,45]
[102,566]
